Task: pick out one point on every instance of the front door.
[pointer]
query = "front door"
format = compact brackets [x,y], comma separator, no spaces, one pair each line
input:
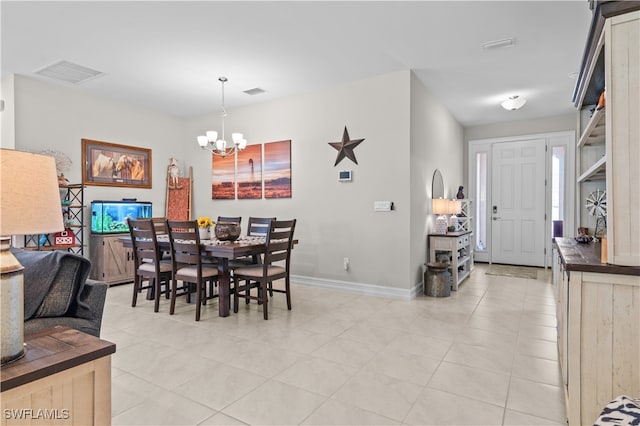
[518,202]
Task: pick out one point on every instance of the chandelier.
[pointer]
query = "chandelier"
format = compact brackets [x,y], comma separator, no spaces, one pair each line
[210,141]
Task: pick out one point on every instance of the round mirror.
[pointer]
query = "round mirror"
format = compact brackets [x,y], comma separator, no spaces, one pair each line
[437,185]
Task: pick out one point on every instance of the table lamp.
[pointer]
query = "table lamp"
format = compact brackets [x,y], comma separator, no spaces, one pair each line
[455,207]
[29,204]
[440,206]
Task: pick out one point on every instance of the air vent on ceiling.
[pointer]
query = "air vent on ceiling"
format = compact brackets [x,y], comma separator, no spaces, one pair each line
[69,72]
[254,91]
[505,42]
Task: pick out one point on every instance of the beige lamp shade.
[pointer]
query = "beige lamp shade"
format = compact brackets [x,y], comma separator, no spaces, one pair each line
[454,206]
[29,194]
[440,206]
[29,204]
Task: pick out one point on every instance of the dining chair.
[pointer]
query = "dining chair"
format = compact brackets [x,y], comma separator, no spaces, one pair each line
[187,264]
[230,219]
[259,226]
[160,224]
[148,263]
[279,242]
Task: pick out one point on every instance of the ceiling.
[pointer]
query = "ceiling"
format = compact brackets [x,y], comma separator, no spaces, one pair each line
[167,56]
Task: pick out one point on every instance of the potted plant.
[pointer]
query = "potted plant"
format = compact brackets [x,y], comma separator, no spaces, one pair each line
[204,227]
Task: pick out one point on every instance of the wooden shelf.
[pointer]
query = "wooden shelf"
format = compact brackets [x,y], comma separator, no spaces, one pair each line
[594,133]
[596,172]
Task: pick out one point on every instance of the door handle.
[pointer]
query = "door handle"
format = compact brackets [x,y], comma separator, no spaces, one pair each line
[495,218]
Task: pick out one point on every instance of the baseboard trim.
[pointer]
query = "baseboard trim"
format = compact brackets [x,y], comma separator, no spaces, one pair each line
[359,288]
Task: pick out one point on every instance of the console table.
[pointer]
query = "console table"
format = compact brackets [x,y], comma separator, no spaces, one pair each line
[64,378]
[458,247]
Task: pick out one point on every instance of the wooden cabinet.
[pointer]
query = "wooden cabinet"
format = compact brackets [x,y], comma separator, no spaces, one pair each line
[598,307]
[63,379]
[608,149]
[111,262]
[457,249]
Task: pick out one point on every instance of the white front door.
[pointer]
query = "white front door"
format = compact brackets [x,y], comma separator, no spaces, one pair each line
[518,202]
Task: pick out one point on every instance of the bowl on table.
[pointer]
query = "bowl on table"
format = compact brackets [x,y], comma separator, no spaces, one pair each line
[227,231]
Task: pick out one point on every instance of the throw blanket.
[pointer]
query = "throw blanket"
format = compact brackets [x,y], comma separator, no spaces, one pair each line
[40,269]
[621,411]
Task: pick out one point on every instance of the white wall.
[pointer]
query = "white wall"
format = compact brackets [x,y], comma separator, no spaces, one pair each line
[436,143]
[335,220]
[7,116]
[407,132]
[54,117]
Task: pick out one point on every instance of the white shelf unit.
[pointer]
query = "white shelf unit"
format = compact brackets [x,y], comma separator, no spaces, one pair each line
[464,218]
[457,247]
[607,148]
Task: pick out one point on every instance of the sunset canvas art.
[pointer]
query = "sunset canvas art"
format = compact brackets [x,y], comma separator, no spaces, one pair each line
[277,169]
[223,180]
[250,172]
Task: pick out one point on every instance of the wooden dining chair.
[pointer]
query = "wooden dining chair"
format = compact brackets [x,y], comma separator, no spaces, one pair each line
[187,264]
[230,219]
[148,263]
[279,242]
[259,226]
[161,224]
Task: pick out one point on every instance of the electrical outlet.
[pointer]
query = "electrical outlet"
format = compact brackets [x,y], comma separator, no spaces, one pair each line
[346,263]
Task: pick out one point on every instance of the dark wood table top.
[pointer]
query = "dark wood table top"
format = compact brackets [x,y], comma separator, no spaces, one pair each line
[243,246]
[586,258]
[50,351]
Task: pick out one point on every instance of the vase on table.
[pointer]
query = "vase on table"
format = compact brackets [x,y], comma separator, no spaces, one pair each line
[227,231]
[205,233]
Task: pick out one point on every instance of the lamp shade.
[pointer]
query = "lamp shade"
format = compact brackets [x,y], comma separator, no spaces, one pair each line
[29,204]
[29,194]
[440,206]
[454,206]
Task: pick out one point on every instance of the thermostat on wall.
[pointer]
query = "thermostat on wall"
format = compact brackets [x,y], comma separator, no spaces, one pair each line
[344,176]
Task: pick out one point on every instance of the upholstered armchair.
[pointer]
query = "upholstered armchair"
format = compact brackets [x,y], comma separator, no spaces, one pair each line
[57,292]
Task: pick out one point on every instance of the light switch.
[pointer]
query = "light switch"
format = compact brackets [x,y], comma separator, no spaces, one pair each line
[382,206]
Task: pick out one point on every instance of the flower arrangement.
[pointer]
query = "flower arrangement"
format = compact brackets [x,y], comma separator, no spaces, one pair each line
[205,222]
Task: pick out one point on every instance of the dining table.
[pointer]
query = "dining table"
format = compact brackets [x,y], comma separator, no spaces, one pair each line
[223,251]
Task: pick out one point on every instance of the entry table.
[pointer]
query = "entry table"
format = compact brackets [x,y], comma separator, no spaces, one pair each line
[64,378]
[458,247]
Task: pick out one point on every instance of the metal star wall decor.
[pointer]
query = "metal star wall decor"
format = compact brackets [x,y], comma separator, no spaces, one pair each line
[346,147]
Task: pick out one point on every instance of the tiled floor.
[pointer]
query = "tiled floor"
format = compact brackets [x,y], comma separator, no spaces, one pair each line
[485,355]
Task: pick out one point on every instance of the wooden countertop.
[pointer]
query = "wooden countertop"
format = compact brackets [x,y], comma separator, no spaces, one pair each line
[50,351]
[586,258]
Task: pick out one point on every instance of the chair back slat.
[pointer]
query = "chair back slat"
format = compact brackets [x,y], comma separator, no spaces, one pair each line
[184,241]
[144,241]
[229,219]
[279,242]
[160,223]
[259,226]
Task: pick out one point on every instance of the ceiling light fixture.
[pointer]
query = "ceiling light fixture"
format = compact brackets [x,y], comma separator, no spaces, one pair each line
[216,146]
[513,103]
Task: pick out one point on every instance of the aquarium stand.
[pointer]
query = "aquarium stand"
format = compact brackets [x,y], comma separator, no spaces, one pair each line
[111,262]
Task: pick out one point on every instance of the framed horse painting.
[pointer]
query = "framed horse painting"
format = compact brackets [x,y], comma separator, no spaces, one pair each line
[110,164]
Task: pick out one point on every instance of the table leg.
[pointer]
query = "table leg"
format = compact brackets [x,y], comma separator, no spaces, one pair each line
[224,286]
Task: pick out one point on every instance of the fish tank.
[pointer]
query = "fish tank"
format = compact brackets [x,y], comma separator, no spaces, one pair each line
[110,217]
